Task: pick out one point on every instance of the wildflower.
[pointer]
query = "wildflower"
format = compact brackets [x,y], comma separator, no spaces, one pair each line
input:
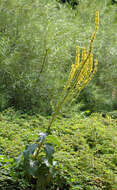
[81,73]
[97,19]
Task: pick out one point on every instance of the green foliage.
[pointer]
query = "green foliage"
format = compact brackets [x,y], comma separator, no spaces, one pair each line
[37,45]
[23,53]
[86,151]
[29,29]
[38,166]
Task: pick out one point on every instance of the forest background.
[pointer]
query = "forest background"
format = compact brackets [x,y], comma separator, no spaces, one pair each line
[38,40]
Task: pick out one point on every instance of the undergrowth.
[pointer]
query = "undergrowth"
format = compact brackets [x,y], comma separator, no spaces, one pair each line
[86,150]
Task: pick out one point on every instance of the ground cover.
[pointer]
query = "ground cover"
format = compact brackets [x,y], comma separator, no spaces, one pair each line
[87,151]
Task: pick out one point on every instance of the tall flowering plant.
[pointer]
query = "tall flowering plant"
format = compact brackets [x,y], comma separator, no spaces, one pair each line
[81,73]
[38,157]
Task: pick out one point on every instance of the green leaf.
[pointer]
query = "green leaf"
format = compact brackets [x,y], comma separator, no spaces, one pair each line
[30,150]
[49,151]
[52,140]
[33,168]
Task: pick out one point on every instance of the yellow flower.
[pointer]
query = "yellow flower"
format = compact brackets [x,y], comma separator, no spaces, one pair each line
[83,54]
[97,19]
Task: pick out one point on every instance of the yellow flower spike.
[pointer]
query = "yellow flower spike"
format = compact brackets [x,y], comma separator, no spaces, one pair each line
[94,33]
[92,38]
[83,54]
[77,55]
[91,59]
[90,71]
[96,62]
[72,73]
[97,19]
[95,67]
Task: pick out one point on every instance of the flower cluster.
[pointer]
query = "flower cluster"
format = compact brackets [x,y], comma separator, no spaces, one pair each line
[85,66]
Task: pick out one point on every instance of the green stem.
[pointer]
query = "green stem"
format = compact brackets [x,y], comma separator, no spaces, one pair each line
[57,110]
[38,150]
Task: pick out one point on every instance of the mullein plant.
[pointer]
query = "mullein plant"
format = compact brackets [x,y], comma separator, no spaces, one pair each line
[81,73]
[37,159]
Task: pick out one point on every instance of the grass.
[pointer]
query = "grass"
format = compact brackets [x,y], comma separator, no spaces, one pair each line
[87,153]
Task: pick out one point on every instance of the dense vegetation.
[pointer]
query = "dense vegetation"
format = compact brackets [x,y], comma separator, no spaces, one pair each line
[86,150]
[37,47]
[38,40]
